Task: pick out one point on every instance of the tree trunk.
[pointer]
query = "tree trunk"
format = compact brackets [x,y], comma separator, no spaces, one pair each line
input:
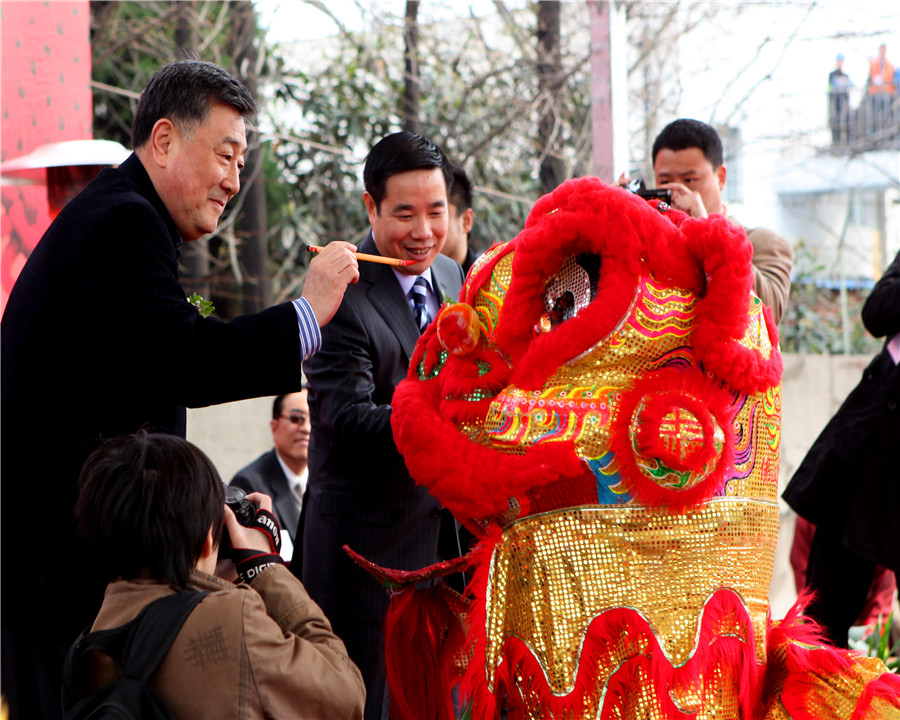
[411,69]
[552,171]
[253,228]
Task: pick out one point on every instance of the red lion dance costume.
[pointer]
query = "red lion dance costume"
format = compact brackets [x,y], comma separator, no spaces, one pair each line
[603,411]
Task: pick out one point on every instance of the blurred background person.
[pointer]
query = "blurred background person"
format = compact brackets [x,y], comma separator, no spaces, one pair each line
[881,93]
[281,473]
[839,84]
[460,218]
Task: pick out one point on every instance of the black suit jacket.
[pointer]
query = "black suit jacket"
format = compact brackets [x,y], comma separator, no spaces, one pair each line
[265,475]
[360,492]
[99,340]
[849,481]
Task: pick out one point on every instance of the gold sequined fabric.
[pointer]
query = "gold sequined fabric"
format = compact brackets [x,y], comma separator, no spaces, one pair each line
[554,573]
[637,589]
[578,401]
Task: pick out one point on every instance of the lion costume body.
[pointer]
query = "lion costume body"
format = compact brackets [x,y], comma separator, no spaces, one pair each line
[602,410]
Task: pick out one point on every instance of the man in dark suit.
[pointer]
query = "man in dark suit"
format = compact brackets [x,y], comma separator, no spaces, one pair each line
[98,327]
[360,492]
[281,473]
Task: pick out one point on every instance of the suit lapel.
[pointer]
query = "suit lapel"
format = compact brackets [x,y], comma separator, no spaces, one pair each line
[283,497]
[446,280]
[386,296]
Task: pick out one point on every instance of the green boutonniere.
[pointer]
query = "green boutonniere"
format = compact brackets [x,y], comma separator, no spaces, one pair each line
[204,307]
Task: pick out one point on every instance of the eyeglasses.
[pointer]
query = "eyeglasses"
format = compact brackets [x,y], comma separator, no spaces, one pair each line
[297,419]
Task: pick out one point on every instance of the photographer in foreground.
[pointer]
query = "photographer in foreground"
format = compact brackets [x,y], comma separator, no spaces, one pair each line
[153,507]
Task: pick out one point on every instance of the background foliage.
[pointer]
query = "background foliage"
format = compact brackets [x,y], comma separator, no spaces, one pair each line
[324,103]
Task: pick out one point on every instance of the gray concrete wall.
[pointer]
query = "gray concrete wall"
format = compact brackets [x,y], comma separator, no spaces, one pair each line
[813,388]
[233,434]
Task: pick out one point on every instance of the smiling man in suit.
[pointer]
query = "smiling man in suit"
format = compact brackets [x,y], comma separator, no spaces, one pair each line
[360,492]
[281,473]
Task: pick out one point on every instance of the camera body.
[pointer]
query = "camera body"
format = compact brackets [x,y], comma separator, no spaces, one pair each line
[641,190]
[243,509]
[663,194]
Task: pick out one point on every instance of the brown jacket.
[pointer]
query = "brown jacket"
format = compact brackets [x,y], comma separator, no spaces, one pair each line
[773,260]
[259,651]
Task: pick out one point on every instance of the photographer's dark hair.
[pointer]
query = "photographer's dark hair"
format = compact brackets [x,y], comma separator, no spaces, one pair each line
[461,192]
[397,153]
[686,133]
[184,91]
[146,502]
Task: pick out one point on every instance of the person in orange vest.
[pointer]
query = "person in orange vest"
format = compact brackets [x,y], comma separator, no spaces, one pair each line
[882,92]
[881,73]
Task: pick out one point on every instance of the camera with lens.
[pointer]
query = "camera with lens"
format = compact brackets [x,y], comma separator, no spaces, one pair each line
[244,510]
[641,190]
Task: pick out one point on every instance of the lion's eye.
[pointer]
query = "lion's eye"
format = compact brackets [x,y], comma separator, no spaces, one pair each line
[572,289]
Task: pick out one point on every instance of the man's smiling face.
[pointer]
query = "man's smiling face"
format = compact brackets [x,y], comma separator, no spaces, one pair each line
[411,223]
[203,171]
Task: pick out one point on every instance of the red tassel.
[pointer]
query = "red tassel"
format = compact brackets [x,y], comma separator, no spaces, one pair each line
[424,642]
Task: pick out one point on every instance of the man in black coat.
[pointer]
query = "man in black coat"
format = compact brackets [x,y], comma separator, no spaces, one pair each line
[360,492]
[98,328]
[848,485]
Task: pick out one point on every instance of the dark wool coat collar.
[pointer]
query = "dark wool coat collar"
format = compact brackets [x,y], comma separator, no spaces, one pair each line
[135,171]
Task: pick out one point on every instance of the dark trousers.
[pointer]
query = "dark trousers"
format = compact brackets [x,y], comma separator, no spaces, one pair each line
[840,580]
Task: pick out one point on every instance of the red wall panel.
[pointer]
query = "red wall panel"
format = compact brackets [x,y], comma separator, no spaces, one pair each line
[46,97]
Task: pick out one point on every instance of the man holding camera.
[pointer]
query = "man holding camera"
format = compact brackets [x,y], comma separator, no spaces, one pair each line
[153,507]
[688,161]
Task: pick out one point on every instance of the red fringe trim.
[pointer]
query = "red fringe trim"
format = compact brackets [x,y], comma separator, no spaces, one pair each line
[710,257]
[424,642]
[797,680]
[473,686]
[886,687]
[602,645]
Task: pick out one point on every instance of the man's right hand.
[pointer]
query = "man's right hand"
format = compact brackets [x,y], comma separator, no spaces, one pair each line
[251,538]
[329,273]
[252,548]
[686,200]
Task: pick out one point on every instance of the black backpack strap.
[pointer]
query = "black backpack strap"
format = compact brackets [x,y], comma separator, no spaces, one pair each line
[137,647]
[150,640]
